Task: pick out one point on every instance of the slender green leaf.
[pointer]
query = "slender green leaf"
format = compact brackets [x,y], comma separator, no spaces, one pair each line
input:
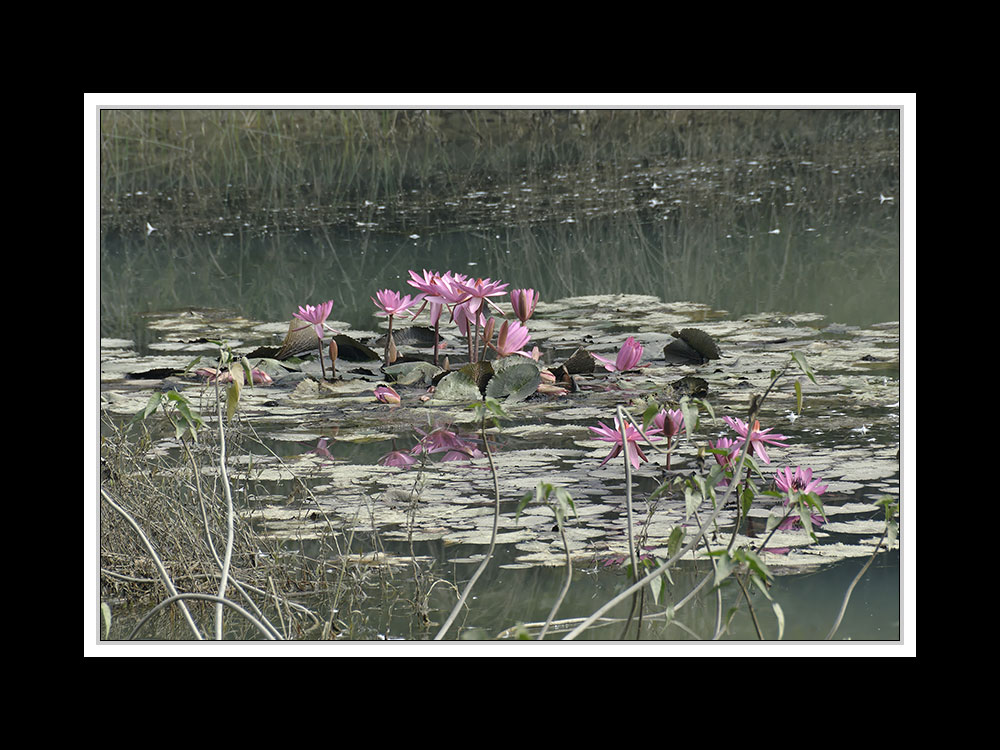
[800,360]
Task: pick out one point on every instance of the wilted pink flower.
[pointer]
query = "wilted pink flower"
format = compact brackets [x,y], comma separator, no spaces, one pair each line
[627,359]
[321,449]
[397,458]
[438,440]
[463,454]
[511,338]
[391,303]
[523,301]
[386,395]
[259,377]
[756,436]
[316,315]
[632,436]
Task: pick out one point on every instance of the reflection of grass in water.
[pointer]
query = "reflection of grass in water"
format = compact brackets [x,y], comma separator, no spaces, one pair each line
[674,204]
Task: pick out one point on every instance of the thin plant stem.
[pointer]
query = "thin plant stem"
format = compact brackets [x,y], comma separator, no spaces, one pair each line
[850,589]
[388,341]
[628,506]
[565,587]
[227,490]
[664,566]
[268,633]
[493,537]
[164,576]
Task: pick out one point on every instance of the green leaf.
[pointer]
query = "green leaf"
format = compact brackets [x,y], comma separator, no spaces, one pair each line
[106,616]
[152,405]
[723,567]
[780,616]
[675,541]
[457,386]
[412,373]
[647,416]
[690,412]
[798,397]
[800,360]
[514,382]
[522,505]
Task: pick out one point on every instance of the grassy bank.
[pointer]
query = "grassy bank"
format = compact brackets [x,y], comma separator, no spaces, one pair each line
[309,157]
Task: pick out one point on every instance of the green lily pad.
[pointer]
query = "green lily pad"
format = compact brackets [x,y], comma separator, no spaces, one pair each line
[515,382]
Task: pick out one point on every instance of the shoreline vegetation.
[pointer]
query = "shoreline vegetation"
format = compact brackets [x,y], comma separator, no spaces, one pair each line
[197,163]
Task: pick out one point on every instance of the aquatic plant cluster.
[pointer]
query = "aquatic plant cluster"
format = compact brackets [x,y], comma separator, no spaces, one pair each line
[468,301]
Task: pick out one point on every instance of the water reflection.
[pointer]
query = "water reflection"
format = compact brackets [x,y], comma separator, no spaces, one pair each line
[829,244]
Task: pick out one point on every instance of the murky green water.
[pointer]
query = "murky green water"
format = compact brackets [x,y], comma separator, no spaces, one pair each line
[784,231]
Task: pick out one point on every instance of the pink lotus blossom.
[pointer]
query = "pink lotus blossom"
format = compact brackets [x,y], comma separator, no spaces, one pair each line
[632,437]
[627,359]
[315,315]
[386,395]
[756,436]
[511,338]
[523,301]
[391,303]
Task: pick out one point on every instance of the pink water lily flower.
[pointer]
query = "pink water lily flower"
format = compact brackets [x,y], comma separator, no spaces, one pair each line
[627,359]
[756,436]
[632,437]
[463,315]
[523,301]
[482,290]
[801,481]
[792,484]
[511,339]
[391,303]
[315,315]
[387,395]
[726,461]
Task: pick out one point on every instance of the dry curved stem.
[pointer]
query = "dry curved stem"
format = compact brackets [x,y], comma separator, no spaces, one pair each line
[850,589]
[493,538]
[267,632]
[228,555]
[164,576]
[628,506]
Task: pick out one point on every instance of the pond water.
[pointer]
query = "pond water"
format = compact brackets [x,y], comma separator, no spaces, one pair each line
[807,237]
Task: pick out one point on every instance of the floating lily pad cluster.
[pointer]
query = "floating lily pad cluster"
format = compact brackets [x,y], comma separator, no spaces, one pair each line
[847,430]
